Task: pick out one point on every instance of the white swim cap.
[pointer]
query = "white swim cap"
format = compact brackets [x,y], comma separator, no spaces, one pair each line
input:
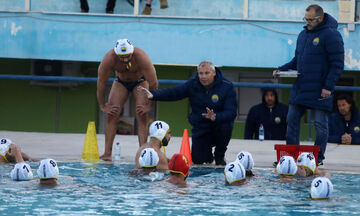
[123,47]
[286,166]
[21,172]
[308,160]
[4,146]
[321,188]
[158,129]
[48,169]
[148,158]
[246,159]
[234,171]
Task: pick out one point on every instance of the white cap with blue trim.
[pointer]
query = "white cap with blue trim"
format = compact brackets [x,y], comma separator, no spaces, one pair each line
[158,129]
[286,166]
[148,158]
[307,160]
[4,146]
[123,47]
[234,171]
[48,169]
[21,172]
[246,159]
[321,188]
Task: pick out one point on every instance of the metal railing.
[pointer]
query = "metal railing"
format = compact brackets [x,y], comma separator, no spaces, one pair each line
[166,82]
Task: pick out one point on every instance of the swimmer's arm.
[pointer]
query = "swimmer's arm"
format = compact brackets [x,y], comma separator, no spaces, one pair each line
[104,72]
[28,158]
[137,165]
[149,72]
[321,173]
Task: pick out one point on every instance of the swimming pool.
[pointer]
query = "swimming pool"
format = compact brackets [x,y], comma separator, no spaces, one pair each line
[108,189]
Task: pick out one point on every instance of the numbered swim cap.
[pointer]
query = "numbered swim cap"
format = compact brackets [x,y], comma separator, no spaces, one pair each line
[179,163]
[4,146]
[308,160]
[286,166]
[148,158]
[321,188]
[48,169]
[246,160]
[21,172]
[123,47]
[158,129]
[234,171]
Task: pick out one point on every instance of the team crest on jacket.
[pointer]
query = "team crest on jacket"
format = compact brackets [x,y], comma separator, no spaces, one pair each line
[277,119]
[316,41]
[215,98]
[356,129]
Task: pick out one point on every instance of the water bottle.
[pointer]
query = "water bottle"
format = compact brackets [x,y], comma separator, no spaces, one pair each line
[261,133]
[116,156]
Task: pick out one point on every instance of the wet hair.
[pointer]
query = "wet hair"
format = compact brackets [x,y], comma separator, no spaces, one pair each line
[203,63]
[318,10]
[348,100]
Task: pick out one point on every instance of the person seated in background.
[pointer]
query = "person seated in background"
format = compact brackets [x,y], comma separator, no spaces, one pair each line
[21,172]
[286,168]
[306,165]
[246,159]
[147,8]
[271,114]
[235,174]
[179,169]
[159,136]
[321,188]
[148,160]
[109,6]
[10,152]
[48,172]
[344,124]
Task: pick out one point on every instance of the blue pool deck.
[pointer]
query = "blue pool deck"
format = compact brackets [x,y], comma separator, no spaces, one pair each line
[68,147]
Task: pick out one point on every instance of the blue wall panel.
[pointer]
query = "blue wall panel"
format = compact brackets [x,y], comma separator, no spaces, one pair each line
[166,40]
[179,40]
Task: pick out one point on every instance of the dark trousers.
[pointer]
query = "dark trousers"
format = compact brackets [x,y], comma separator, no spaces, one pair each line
[109,6]
[201,149]
[321,125]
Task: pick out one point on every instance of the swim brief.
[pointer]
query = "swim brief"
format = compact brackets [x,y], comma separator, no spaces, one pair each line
[130,85]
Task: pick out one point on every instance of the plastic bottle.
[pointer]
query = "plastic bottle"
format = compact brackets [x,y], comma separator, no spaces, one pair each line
[261,133]
[116,155]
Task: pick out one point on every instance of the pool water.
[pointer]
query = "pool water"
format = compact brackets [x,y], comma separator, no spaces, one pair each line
[108,189]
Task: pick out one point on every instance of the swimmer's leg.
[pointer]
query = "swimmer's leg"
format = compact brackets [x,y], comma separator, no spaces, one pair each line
[142,117]
[118,96]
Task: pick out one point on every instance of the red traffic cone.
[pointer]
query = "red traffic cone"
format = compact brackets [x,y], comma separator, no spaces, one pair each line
[185,146]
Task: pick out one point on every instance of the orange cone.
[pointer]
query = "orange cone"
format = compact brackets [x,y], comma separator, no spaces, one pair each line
[185,146]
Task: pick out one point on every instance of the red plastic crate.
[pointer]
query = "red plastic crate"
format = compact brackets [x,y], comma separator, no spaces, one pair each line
[295,150]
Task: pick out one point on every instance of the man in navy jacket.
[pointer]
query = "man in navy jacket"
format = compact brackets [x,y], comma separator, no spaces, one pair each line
[319,58]
[271,114]
[214,107]
[344,124]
